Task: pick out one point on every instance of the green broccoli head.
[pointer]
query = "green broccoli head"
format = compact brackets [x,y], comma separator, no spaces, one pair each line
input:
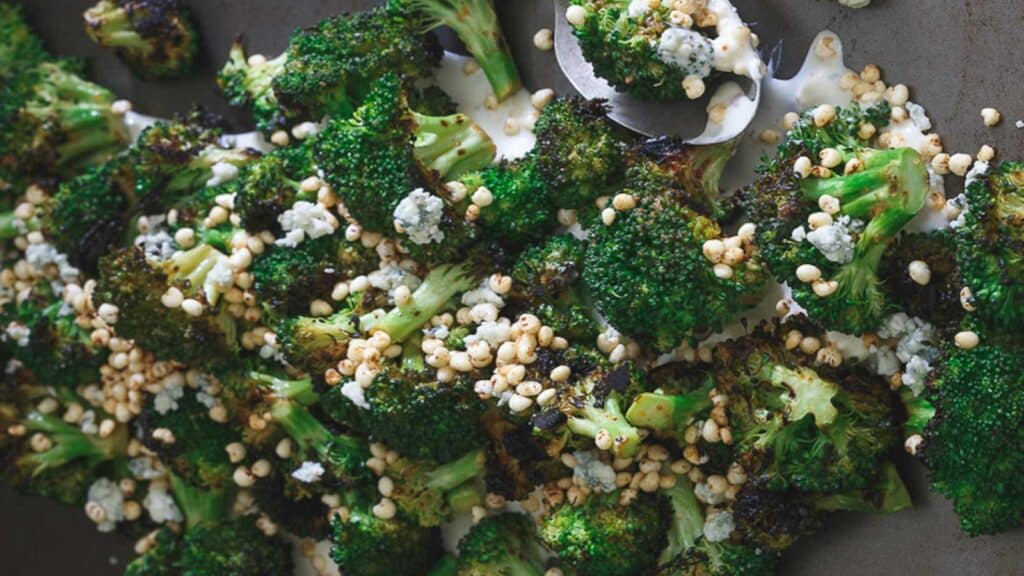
[833,265]
[234,548]
[939,299]
[272,184]
[53,121]
[603,538]
[519,210]
[580,153]
[429,493]
[329,69]
[978,396]
[249,82]
[397,546]
[989,246]
[161,559]
[476,24]
[22,48]
[656,248]
[546,270]
[642,52]
[343,456]
[155,38]
[500,545]
[316,344]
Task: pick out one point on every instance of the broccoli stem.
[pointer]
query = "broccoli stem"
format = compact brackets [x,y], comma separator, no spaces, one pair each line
[199,506]
[591,421]
[893,184]
[70,443]
[447,477]
[412,355]
[464,498]
[447,566]
[919,412]
[451,145]
[437,289]
[687,520]
[669,412]
[312,436]
[300,390]
[476,23]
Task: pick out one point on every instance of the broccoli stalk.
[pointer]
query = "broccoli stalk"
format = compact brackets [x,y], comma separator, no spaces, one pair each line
[69,444]
[476,24]
[687,521]
[249,82]
[919,412]
[606,423]
[199,506]
[438,288]
[669,412]
[344,456]
[450,145]
[429,492]
[300,390]
[155,39]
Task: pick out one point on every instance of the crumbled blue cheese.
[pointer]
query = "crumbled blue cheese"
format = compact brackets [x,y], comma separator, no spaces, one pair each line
[638,8]
[390,276]
[979,169]
[305,219]
[156,245]
[836,241]
[916,349]
[494,333]
[917,113]
[482,295]
[916,374]
[43,254]
[419,215]
[88,423]
[223,172]
[703,493]
[799,234]
[172,389]
[688,50]
[309,472]
[590,471]
[354,392]
[106,494]
[718,526]
[219,279]
[142,468]
[161,506]
[18,333]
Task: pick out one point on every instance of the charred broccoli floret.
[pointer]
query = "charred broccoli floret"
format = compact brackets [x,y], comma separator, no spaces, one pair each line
[314,343]
[517,209]
[155,38]
[604,538]
[248,81]
[272,184]
[938,299]
[989,246]
[430,493]
[53,121]
[476,24]
[833,265]
[21,48]
[398,546]
[344,457]
[656,248]
[386,150]
[501,545]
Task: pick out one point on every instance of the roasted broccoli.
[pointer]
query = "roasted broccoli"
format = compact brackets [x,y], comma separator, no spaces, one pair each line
[155,38]
[249,82]
[272,184]
[501,545]
[512,201]
[21,49]
[398,546]
[920,272]
[430,493]
[343,456]
[315,344]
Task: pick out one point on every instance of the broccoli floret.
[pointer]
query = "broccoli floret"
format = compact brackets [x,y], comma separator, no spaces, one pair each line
[500,545]
[978,402]
[520,209]
[989,246]
[580,153]
[398,547]
[642,51]
[249,82]
[59,352]
[21,48]
[600,537]
[329,68]
[272,184]
[161,559]
[155,38]
[880,196]
[343,456]
[546,271]
[430,493]
[476,24]
[656,248]
[315,344]
[440,286]
[137,285]
[939,299]
[55,122]
[386,150]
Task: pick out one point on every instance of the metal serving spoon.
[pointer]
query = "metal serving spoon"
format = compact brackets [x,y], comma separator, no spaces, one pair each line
[688,119]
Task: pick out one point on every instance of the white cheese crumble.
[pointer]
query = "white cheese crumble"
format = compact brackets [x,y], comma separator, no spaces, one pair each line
[305,219]
[142,468]
[703,492]
[590,471]
[419,214]
[390,276]
[918,116]
[161,506]
[42,254]
[799,234]
[835,241]
[223,172]
[482,295]
[157,245]
[309,472]
[916,348]
[638,8]
[88,423]
[171,390]
[18,333]
[107,495]
[494,333]
[718,526]
[978,170]
[688,50]
[354,392]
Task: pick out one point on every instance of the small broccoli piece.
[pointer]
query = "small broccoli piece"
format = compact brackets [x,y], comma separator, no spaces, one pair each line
[343,456]
[989,246]
[476,24]
[919,412]
[669,412]
[315,344]
[272,184]
[397,546]
[155,38]
[603,538]
[547,270]
[775,520]
[55,122]
[939,299]
[21,49]
[440,286]
[656,249]
[288,279]
[430,493]
[580,153]
[875,203]
[642,51]
[386,150]
[161,559]
[520,210]
[977,395]
[501,545]
[249,82]
[136,285]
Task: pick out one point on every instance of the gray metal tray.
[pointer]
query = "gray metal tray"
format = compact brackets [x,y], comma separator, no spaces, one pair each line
[957,56]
